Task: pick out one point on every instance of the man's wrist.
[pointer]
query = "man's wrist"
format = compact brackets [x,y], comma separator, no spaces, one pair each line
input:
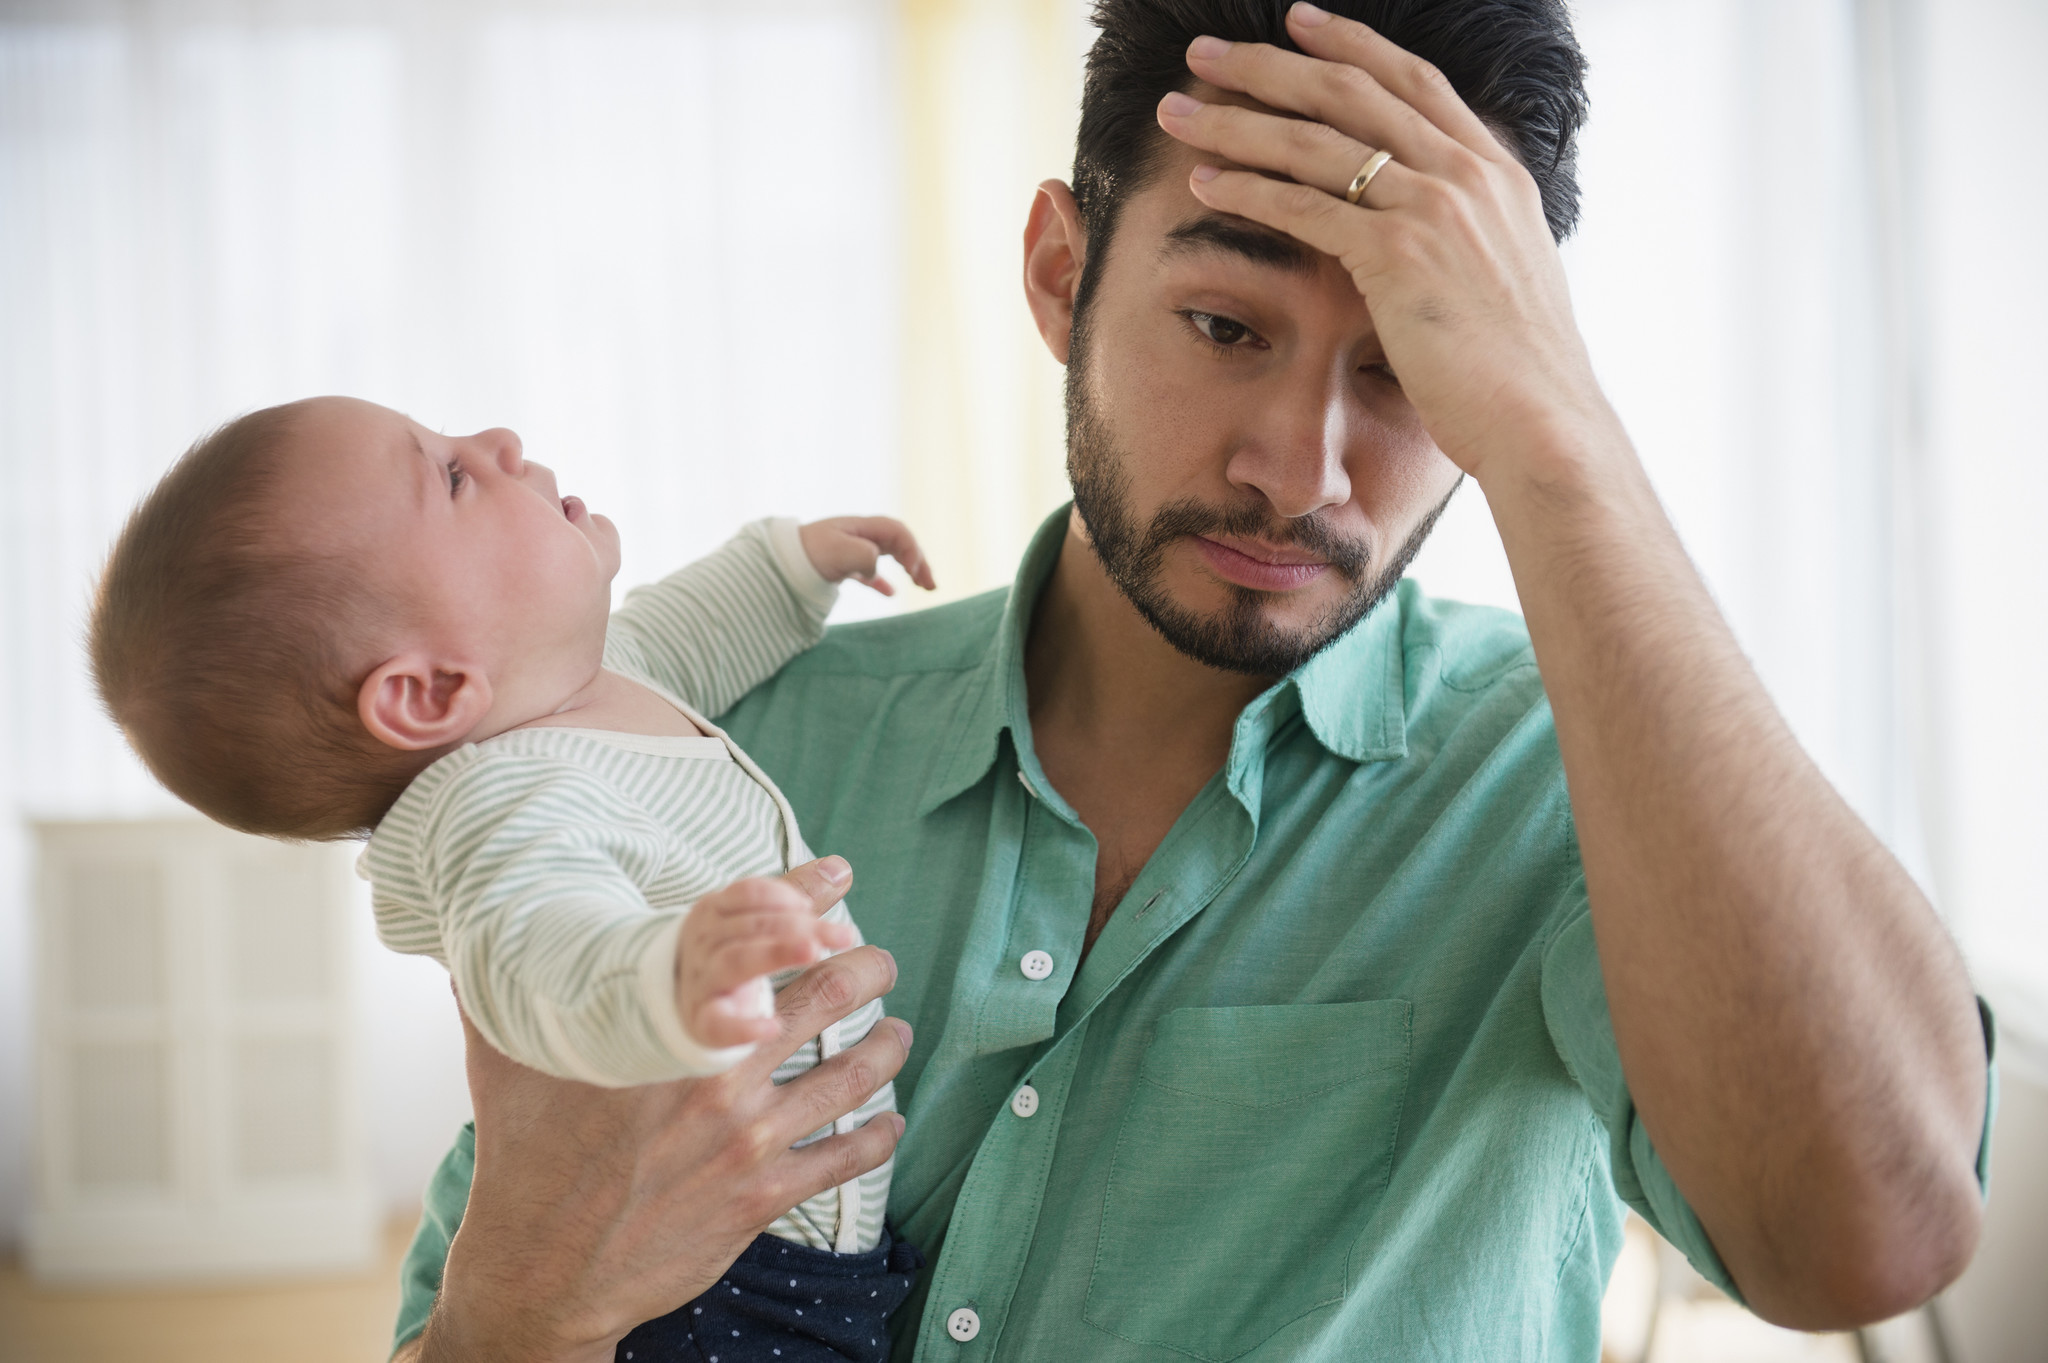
[510,1325]
[447,1340]
[1549,448]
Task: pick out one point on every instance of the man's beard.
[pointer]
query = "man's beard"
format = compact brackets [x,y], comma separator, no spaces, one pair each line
[1238,638]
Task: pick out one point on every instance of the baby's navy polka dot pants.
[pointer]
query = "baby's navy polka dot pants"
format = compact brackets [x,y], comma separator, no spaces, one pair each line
[786,1303]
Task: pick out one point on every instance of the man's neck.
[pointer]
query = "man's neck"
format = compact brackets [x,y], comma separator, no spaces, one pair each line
[1127,728]
[1095,665]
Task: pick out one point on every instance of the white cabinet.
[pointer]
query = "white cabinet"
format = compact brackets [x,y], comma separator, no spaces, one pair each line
[197,1096]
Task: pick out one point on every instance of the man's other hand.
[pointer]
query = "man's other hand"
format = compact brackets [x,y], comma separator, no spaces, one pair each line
[593,1209]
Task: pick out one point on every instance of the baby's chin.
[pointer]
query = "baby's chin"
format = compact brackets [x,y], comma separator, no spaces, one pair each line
[604,536]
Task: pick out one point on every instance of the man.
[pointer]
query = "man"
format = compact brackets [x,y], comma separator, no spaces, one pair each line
[1301,970]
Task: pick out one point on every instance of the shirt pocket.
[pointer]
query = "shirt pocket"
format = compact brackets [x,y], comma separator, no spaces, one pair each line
[1257,1144]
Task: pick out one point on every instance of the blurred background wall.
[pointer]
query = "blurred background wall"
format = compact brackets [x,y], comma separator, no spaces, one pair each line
[718,260]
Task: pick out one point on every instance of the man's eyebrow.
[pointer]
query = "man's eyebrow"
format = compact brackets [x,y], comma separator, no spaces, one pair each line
[1235,236]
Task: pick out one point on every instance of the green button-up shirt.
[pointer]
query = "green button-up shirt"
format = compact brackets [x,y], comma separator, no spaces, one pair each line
[1337,1080]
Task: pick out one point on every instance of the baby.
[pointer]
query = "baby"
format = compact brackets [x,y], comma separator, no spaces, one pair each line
[330,621]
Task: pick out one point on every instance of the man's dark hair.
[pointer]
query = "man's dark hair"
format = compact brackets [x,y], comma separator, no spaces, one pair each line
[1515,62]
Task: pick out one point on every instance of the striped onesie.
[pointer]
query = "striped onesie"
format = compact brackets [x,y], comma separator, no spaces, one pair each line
[550,869]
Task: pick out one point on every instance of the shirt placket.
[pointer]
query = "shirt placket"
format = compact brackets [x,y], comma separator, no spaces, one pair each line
[997,1208]
[996,1213]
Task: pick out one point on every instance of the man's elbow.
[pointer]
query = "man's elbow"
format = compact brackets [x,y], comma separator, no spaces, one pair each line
[1875,1266]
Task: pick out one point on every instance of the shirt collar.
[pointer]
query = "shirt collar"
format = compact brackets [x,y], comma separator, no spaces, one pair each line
[1354,693]
[1351,695]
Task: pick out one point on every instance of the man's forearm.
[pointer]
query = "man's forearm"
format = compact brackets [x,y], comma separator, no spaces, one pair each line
[1796,1027]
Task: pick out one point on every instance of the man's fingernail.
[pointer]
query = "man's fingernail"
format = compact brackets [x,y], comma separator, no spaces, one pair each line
[1207,48]
[1180,105]
[1305,13]
[836,869]
[1206,173]
[903,1032]
[897,1118]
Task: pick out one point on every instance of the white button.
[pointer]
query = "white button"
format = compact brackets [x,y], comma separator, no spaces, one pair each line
[1036,965]
[1024,1101]
[963,1324]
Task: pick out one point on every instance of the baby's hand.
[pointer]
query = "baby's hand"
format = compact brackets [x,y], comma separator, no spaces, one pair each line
[852,546]
[731,942]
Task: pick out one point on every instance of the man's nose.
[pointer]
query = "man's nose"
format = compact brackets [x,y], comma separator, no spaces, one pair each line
[1295,458]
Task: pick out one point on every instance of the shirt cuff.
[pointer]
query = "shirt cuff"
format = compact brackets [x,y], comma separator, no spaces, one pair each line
[658,998]
[801,575]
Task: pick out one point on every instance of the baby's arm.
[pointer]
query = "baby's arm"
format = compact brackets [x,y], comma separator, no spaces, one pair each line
[729,946]
[715,629]
[522,874]
[674,1002]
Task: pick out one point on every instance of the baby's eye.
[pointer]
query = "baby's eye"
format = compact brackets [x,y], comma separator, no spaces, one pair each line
[456,478]
[1223,331]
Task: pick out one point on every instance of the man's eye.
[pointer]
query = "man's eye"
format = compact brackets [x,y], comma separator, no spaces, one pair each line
[1383,371]
[1221,331]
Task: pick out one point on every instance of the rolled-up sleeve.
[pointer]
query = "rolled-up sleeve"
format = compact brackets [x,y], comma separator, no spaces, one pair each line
[441,1209]
[1575,1009]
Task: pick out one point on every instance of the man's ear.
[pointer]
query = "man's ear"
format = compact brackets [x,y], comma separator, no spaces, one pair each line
[413,703]
[1055,248]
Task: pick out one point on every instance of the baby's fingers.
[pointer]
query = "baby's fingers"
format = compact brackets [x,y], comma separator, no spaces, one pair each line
[893,538]
[745,958]
[727,1000]
[790,918]
[734,1018]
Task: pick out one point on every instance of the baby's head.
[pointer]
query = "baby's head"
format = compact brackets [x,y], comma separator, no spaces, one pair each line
[321,598]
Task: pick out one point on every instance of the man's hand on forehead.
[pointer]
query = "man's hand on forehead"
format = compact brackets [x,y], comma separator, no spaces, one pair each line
[1449,246]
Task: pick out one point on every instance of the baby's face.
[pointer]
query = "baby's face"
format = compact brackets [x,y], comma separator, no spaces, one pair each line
[493,567]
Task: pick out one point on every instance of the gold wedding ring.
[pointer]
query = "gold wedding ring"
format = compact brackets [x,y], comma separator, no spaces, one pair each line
[1372,167]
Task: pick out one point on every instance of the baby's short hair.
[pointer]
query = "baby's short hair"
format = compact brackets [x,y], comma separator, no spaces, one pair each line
[231,657]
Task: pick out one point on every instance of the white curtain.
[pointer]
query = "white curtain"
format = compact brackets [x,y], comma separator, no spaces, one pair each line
[1977,185]
[609,226]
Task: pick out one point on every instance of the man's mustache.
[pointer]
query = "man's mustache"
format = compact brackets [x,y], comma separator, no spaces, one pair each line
[1349,557]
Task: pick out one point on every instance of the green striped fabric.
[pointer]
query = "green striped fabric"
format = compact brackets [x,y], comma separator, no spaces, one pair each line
[550,869]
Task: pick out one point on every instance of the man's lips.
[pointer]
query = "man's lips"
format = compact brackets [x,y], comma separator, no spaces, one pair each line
[1258,566]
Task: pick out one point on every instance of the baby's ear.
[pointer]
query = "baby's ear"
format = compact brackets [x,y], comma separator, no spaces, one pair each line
[412,703]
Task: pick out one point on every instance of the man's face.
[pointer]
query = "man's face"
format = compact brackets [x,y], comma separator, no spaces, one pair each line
[1243,460]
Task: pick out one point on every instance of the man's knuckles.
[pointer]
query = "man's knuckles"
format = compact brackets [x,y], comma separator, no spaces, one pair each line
[1341,88]
[847,1159]
[1316,150]
[828,992]
[854,1082]
[1424,81]
[753,1142]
